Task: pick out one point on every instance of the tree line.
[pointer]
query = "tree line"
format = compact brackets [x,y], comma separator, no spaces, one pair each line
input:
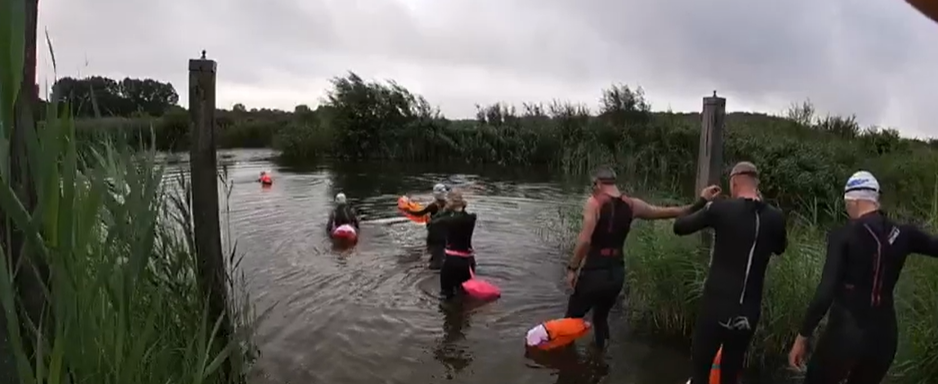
[98,96]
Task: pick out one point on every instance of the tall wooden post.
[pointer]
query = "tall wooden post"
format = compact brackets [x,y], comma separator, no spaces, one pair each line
[204,181]
[710,155]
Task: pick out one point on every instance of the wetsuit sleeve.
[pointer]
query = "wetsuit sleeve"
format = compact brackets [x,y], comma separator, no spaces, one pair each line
[353,217]
[921,242]
[331,220]
[700,218]
[782,243]
[830,278]
[428,210]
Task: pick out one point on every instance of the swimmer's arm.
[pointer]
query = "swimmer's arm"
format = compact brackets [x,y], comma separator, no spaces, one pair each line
[921,242]
[644,210]
[830,278]
[331,221]
[590,217]
[701,216]
[782,244]
[428,210]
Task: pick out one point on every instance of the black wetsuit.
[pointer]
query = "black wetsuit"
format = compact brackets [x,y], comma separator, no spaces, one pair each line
[746,234]
[458,227]
[864,260]
[342,215]
[436,236]
[602,274]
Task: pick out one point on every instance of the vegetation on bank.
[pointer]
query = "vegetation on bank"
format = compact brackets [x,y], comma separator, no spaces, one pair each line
[802,155]
[97,268]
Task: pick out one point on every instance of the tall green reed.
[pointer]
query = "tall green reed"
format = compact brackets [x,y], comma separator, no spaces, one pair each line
[122,304]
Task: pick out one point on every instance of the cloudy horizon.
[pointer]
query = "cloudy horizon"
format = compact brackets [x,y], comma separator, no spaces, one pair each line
[874,59]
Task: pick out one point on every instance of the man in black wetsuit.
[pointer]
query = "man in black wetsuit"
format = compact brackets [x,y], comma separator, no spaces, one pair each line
[436,236]
[746,234]
[458,226]
[596,273]
[864,260]
[342,214]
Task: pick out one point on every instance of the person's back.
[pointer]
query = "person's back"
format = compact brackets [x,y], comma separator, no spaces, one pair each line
[746,234]
[864,260]
[342,214]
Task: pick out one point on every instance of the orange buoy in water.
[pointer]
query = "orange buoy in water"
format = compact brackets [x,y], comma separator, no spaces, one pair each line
[715,368]
[557,333]
[405,205]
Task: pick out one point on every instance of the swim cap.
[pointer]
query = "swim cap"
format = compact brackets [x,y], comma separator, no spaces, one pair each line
[340,198]
[745,168]
[604,175]
[439,191]
[862,186]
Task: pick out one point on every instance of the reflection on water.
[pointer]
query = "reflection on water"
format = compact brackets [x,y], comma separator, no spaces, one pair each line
[370,314]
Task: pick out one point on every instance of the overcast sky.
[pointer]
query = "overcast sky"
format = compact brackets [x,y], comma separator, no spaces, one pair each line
[875,58]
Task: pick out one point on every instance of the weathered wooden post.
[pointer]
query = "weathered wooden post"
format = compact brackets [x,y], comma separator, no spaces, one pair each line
[204,181]
[710,155]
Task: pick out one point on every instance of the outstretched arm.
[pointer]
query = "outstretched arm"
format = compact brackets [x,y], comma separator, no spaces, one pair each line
[921,242]
[644,210]
[699,218]
[430,209]
[590,217]
[830,279]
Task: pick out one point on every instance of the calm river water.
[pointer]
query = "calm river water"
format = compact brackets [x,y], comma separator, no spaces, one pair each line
[370,315]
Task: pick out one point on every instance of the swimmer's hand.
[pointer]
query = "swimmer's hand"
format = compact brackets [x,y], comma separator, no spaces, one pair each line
[796,356]
[571,279]
[710,193]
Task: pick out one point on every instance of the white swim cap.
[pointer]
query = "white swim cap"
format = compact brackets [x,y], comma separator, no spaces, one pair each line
[439,191]
[862,186]
[340,198]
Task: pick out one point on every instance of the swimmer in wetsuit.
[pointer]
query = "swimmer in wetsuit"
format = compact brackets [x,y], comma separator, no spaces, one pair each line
[436,237]
[342,214]
[458,226]
[864,260]
[596,273]
[747,232]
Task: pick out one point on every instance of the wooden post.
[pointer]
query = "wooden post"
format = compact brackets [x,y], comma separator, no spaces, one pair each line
[710,155]
[204,181]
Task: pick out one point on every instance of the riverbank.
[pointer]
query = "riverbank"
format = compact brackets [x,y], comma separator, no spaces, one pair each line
[666,275]
[802,155]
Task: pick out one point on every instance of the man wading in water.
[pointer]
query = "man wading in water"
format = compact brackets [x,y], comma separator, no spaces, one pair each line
[746,234]
[596,272]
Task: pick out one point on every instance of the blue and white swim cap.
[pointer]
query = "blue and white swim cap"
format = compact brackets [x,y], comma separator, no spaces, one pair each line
[862,186]
[439,191]
[340,198]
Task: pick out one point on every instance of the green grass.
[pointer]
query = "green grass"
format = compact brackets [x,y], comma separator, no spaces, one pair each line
[110,249]
[666,275]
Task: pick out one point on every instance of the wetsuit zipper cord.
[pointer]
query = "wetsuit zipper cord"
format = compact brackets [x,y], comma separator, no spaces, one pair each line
[752,252]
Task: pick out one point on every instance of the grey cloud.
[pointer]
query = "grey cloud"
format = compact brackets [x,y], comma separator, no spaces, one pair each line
[875,59]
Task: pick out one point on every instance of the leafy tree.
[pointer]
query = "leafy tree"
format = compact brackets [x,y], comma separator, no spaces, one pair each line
[101,96]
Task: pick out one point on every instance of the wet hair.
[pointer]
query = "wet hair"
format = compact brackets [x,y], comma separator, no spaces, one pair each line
[604,175]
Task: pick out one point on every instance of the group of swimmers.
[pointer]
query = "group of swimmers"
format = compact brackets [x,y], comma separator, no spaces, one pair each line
[864,260]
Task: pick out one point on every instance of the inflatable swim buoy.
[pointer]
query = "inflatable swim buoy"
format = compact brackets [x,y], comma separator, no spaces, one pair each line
[404,205]
[345,232]
[480,289]
[265,179]
[715,368]
[557,333]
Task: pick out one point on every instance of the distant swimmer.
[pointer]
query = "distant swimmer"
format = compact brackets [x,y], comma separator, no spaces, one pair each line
[864,261]
[747,232]
[457,227]
[436,237]
[265,178]
[596,273]
[342,214]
